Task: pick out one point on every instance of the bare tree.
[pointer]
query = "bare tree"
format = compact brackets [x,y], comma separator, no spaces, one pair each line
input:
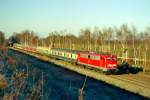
[86,36]
[2,38]
[95,36]
[134,31]
[122,36]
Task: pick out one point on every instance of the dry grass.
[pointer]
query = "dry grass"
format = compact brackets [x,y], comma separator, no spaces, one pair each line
[3,83]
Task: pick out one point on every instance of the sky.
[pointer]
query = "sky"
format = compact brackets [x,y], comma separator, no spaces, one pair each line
[45,16]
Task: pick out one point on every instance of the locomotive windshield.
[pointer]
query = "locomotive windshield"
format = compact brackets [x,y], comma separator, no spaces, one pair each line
[111,58]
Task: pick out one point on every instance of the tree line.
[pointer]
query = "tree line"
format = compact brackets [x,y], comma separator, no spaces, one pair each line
[2,38]
[124,41]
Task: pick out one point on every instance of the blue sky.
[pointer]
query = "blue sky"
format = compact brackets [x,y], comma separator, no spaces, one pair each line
[44,16]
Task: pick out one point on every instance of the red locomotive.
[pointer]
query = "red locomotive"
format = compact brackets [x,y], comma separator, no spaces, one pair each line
[103,61]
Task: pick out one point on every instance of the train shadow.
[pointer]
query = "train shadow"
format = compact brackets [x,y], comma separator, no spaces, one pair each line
[126,68]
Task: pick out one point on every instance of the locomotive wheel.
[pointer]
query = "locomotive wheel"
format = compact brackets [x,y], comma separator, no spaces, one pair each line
[107,72]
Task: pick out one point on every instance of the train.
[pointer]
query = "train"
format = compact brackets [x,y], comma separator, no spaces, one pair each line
[105,62]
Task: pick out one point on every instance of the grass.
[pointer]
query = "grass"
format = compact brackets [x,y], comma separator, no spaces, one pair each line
[3,83]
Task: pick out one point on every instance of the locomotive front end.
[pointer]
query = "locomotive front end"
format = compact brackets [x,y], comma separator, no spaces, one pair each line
[111,63]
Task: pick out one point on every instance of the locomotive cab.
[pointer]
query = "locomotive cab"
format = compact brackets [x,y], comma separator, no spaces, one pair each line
[111,63]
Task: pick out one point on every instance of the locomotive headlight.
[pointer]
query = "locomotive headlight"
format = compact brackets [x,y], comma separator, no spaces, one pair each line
[114,64]
[109,65]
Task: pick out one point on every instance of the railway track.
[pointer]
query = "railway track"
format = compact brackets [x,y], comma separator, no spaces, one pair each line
[137,78]
[148,76]
[132,80]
